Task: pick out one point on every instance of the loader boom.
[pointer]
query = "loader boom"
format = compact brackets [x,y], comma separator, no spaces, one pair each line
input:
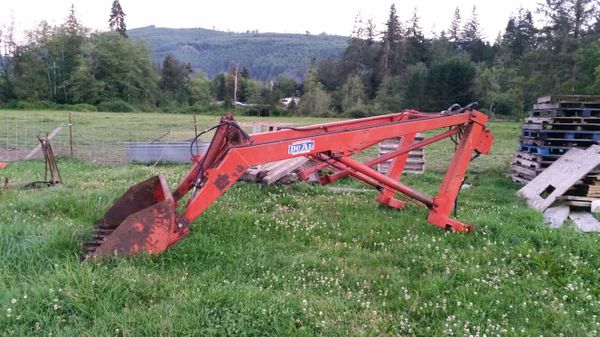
[153,228]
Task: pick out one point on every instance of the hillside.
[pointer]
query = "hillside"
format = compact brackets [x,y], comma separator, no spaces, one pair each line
[266,55]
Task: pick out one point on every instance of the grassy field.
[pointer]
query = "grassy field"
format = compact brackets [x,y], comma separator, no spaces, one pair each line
[95,132]
[297,260]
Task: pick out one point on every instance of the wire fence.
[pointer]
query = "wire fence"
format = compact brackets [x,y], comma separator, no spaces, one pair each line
[87,136]
[106,137]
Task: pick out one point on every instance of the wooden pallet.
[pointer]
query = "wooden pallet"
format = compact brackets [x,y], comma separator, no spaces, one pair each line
[415,163]
[569,99]
[553,182]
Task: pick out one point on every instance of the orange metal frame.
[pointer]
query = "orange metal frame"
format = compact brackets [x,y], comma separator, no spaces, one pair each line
[144,218]
[230,155]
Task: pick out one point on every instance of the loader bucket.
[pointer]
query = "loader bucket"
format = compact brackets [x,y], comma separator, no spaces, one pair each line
[141,221]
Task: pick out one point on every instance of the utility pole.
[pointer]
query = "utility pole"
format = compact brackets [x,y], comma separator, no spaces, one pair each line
[235,85]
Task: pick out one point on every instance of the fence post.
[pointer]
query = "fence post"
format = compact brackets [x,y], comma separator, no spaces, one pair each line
[70,134]
[196,132]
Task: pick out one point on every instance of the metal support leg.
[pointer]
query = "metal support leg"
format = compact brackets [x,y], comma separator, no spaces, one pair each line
[386,197]
[444,201]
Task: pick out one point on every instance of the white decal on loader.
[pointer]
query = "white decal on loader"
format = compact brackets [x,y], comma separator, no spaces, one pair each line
[303,146]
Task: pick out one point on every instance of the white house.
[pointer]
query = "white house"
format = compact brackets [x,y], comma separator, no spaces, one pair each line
[288,100]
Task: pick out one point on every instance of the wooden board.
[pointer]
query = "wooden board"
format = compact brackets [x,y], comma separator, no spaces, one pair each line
[286,167]
[576,198]
[555,216]
[52,134]
[543,190]
[585,222]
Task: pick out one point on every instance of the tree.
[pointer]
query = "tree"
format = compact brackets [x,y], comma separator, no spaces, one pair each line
[361,56]
[330,74]
[449,82]
[353,94]
[574,16]
[175,78]
[472,31]
[519,35]
[84,86]
[116,22]
[472,41]
[588,60]
[415,48]
[125,68]
[567,22]
[200,90]
[455,31]
[269,99]
[7,50]
[28,82]
[390,55]
[286,85]
[390,95]
[487,87]
[68,40]
[415,90]
[219,88]
[314,101]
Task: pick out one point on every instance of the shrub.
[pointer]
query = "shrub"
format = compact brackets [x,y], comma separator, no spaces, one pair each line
[82,107]
[36,105]
[116,106]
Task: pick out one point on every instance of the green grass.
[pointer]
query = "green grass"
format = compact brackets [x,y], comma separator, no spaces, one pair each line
[99,135]
[297,260]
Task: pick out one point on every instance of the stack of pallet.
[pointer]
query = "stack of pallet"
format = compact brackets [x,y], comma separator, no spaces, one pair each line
[416,159]
[559,193]
[554,126]
[283,171]
[584,191]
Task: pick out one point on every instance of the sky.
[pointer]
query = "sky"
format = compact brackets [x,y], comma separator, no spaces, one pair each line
[285,16]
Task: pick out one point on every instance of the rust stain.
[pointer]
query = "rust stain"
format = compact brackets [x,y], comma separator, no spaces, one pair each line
[222,182]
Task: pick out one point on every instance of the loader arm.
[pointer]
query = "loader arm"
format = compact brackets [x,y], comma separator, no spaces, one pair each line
[153,225]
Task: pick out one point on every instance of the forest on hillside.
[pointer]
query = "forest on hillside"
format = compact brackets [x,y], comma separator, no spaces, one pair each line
[268,55]
[380,70]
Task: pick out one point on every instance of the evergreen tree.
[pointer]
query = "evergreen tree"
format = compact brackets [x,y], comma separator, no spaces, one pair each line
[472,31]
[415,44]
[451,81]
[455,31]
[67,44]
[472,41]
[28,77]
[84,86]
[415,95]
[116,22]
[361,55]
[245,73]
[520,34]
[175,78]
[390,55]
[219,87]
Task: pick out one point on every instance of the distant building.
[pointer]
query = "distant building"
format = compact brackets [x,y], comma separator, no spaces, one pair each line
[288,100]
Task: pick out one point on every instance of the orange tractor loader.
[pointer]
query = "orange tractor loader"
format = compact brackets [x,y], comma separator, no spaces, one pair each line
[144,219]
